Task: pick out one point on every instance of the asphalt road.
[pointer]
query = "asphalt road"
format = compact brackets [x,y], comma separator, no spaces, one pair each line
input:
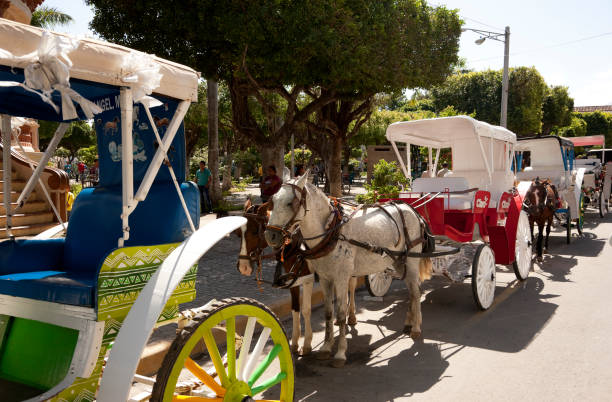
[548,338]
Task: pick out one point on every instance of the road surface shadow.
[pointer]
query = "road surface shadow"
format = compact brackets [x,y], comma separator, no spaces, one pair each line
[450,323]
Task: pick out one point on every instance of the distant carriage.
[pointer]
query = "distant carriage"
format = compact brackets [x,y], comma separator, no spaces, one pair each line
[552,158]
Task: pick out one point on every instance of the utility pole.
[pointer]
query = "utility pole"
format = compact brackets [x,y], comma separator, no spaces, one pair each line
[484,35]
[504,103]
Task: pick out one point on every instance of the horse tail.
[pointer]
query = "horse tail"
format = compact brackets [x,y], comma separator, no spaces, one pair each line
[425,269]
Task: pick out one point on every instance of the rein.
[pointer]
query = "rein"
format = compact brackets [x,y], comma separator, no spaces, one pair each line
[330,237]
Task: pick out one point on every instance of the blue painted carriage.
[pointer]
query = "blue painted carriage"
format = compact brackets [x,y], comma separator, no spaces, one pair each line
[76,311]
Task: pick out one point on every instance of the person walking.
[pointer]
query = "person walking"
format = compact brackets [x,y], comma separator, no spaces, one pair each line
[270,184]
[203,180]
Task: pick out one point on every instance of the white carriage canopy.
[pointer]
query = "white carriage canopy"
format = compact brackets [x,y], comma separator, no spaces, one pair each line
[137,98]
[481,153]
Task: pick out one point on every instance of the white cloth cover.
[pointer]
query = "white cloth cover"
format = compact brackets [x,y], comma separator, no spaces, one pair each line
[98,61]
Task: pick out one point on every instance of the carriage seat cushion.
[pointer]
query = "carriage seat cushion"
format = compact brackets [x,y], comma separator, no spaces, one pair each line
[33,269]
[435,184]
[451,183]
[95,223]
[53,286]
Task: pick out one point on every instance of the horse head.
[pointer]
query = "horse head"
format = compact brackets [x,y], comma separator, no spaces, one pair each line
[288,209]
[251,234]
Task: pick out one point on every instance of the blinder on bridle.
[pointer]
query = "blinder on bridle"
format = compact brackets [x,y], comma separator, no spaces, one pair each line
[296,204]
[253,213]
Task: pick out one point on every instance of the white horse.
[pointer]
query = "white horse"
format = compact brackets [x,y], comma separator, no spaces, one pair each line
[300,203]
[252,246]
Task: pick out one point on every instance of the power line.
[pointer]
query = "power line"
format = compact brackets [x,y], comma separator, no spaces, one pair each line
[571,42]
[482,23]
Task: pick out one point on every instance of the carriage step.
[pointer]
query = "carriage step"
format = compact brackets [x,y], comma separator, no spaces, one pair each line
[28,230]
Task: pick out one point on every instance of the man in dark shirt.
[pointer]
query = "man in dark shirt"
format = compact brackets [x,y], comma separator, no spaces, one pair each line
[270,184]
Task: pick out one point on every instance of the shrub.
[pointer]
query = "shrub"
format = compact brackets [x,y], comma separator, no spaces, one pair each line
[387,180]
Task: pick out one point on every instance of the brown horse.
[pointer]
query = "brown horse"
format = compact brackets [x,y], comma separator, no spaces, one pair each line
[295,267]
[540,203]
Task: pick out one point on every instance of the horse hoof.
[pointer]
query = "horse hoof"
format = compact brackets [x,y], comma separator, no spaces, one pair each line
[407,329]
[338,363]
[294,349]
[352,320]
[305,351]
[415,334]
[540,259]
[323,355]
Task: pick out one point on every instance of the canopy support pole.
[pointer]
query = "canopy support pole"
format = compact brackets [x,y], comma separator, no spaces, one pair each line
[399,157]
[40,182]
[170,168]
[435,165]
[408,164]
[429,162]
[59,134]
[6,174]
[127,161]
[484,157]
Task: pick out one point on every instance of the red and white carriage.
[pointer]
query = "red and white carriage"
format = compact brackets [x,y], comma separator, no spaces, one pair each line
[473,209]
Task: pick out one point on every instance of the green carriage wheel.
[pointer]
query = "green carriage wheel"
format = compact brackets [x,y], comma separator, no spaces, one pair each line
[240,376]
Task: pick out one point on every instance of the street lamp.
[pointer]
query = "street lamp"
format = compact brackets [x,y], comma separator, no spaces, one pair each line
[500,37]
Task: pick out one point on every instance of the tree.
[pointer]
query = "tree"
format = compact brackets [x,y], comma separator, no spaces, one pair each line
[526,91]
[398,45]
[598,123]
[49,17]
[557,109]
[576,128]
[213,140]
[284,60]
[480,93]
[79,135]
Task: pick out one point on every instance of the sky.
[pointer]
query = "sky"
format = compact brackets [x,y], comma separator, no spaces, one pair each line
[569,42]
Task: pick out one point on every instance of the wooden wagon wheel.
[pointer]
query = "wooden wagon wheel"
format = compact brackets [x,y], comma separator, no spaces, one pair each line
[266,367]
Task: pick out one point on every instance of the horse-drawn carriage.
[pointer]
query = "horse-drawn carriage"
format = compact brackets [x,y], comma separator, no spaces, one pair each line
[597,178]
[473,210]
[551,158]
[76,312]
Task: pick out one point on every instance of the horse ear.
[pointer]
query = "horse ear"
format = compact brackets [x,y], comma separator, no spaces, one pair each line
[303,180]
[247,204]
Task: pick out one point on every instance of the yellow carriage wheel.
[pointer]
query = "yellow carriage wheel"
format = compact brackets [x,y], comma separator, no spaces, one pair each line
[251,369]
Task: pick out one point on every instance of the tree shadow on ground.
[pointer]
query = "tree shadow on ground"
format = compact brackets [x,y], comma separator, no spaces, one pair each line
[450,323]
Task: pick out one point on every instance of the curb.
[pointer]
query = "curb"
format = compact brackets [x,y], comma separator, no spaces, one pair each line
[154,354]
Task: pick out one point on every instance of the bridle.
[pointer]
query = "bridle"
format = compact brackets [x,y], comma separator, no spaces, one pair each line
[282,281]
[257,255]
[296,205]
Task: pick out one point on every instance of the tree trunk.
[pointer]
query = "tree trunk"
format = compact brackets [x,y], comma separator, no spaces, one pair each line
[238,171]
[273,154]
[213,140]
[333,162]
[347,158]
[227,172]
